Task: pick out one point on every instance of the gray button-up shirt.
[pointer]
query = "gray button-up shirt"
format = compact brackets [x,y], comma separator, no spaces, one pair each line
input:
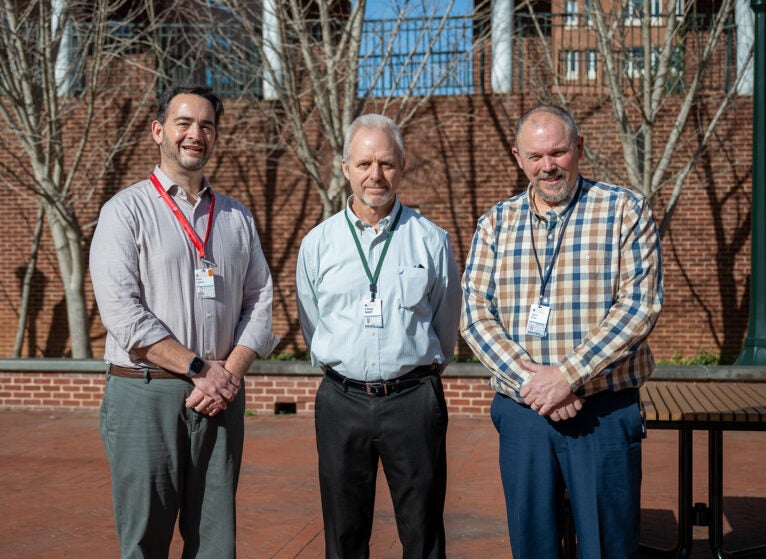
[142,266]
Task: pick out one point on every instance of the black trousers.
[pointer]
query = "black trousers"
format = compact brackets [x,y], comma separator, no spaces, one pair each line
[406,431]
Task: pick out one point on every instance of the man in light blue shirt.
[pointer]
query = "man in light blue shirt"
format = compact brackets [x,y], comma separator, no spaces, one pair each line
[379,304]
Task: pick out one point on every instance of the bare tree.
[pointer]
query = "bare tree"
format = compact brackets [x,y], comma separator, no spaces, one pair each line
[646,58]
[322,63]
[55,57]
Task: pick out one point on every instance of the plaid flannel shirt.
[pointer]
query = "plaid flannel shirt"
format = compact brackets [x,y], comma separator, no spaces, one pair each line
[604,292]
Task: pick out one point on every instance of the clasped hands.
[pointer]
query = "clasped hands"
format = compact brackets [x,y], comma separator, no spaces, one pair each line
[548,393]
[214,388]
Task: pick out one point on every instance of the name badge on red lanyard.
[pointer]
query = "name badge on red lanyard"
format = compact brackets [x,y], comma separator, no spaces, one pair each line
[204,278]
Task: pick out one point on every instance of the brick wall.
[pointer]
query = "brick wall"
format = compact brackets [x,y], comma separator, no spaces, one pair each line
[459,164]
[266,394]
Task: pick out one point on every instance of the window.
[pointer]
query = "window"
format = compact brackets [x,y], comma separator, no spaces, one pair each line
[591,64]
[570,13]
[633,12]
[634,63]
[572,67]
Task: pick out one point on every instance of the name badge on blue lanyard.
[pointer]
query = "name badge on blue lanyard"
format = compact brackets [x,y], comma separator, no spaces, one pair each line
[537,325]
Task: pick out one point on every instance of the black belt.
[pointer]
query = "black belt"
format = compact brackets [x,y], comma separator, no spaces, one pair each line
[146,373]
[385,387]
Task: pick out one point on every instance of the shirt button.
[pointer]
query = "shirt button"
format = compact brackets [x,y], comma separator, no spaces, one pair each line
[373,364]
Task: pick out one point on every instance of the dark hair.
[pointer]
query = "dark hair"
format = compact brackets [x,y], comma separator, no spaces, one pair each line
[554,110]
[180,88]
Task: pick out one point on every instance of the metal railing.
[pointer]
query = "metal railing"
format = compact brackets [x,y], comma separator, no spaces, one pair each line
[438,57]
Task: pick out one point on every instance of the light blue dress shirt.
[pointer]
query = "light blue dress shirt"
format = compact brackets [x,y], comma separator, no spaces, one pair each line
[419,289]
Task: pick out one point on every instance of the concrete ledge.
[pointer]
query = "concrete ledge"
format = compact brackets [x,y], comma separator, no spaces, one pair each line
[455,370]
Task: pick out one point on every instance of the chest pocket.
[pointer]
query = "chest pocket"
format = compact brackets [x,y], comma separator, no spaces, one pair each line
[413,286]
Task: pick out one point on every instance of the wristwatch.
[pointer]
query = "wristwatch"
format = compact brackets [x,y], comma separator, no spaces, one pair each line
[195,366]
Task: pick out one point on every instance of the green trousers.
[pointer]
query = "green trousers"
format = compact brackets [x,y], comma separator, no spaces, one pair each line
[170,463]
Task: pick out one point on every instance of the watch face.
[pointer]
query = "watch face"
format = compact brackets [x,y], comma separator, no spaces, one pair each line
[195,367]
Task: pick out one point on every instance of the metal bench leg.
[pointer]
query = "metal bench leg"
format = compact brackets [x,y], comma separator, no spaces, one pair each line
[715,488]
[683,547]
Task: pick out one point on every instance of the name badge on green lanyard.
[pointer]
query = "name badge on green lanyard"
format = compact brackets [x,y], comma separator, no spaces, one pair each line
[372,310]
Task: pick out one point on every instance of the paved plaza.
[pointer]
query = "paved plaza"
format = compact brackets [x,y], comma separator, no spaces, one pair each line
[55,499]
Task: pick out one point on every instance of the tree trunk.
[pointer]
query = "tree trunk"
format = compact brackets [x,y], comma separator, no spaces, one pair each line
[26,286]
[68,243]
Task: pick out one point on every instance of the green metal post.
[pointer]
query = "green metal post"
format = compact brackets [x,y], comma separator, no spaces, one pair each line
[754,352]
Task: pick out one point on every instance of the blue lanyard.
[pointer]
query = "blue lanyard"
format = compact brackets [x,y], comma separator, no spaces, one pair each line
[569,210]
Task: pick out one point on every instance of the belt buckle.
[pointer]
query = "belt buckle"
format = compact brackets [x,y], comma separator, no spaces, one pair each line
[376,389]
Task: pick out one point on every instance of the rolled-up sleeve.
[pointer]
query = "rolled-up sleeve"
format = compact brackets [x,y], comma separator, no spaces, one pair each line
[115,274]
[254,327]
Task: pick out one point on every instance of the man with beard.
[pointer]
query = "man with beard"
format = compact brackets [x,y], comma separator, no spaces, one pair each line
[562,287]
[379,301]
[185,294]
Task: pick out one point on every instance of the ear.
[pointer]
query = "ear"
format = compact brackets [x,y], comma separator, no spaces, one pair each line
[517,156]
[157,131]
[344,165]
[580,147]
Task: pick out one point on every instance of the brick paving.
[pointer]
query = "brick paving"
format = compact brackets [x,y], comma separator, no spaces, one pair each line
[55,499]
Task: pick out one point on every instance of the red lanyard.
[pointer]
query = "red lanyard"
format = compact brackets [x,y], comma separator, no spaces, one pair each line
[190,232]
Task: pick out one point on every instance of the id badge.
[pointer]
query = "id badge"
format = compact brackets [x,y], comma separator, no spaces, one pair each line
[537,325]
[372,313]
[204,283]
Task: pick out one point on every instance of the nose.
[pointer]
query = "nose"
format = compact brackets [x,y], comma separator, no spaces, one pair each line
[548,163]
[375,171]
[194,131]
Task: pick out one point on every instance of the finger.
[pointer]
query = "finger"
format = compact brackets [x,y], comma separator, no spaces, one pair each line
[194,399]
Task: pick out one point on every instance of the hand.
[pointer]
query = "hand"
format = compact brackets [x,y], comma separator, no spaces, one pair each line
[214,385]
[547,390]
[568,408]
[202,403]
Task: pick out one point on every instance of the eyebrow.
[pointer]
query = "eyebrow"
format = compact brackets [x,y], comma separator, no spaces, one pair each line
[190,119]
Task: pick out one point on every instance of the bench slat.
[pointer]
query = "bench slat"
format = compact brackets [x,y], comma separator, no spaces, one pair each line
[729,399]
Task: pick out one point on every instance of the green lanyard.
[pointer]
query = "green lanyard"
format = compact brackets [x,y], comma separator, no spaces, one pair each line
[374,279]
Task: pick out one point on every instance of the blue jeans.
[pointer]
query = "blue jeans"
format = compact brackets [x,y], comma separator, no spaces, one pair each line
[596,457]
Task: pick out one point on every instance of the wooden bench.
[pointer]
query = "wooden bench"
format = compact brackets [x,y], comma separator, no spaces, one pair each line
[715,407]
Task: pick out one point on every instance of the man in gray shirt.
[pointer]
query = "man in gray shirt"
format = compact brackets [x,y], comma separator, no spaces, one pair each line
[185,294]
[379,302]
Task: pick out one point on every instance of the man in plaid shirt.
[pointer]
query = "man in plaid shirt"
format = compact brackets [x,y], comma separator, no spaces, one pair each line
[562,287]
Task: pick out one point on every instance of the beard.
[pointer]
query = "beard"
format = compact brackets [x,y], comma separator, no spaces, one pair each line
[377,200]
[185,162]
[555,195]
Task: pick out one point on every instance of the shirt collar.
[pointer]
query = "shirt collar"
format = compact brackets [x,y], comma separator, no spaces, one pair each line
[169,185]
[382,225]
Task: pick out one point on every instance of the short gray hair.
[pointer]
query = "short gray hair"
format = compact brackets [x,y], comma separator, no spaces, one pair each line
[379,122]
